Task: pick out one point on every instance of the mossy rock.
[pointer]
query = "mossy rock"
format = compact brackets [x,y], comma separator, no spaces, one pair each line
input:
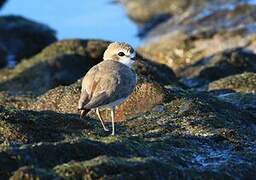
[23,37]
[29,173]
[196,135]
[64,99]
[19,102]
[61,63]
[244,83]
[3,56]
[113,168]
[31,126]
[145,97]
[149,71]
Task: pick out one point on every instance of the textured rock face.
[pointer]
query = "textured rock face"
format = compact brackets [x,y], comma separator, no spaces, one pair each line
[194,129]
[245,83]
[24,38]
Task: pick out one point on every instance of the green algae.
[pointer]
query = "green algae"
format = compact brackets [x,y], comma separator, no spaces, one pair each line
[244,83]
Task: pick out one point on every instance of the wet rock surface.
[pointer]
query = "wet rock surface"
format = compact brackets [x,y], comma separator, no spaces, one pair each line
[191,116]
[244,83]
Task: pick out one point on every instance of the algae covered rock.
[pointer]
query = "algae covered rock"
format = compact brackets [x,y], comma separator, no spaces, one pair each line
[30,126]
[145,97]
[197,135]
[149,71]
[61,63]
[32,173]
[23,37]
[244,83]
[64,99]
[113,167]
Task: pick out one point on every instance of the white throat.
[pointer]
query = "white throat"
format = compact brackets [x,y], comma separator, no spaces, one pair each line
[127,61]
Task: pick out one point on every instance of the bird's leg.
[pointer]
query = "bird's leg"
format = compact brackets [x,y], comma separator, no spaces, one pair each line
[113,120]
[98,113]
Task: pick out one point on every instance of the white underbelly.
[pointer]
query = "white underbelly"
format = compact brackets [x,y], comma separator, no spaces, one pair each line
[113,104]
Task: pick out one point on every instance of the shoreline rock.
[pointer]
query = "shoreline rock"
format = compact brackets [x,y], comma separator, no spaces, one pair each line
[61,63]
[24,38]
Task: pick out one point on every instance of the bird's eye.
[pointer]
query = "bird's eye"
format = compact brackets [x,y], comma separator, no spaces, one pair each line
[121,54]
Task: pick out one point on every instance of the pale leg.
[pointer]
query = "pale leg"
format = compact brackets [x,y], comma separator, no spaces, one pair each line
[98,113]
[113,120]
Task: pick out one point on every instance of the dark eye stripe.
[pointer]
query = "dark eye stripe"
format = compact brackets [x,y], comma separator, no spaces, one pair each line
[121,54]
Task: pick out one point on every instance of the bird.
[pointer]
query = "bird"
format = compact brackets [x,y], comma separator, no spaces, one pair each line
[110,82]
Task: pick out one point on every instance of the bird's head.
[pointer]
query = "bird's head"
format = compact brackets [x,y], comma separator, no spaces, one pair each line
[121,52]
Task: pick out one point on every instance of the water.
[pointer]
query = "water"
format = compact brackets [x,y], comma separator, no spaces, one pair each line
[98,19]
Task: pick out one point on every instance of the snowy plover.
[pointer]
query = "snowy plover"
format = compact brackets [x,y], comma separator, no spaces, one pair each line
[110,82]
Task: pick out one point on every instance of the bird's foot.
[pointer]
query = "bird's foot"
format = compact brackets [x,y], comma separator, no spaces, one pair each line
[105,129]
[113,133]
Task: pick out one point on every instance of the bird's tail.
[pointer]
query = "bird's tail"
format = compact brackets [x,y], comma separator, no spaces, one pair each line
[84,99]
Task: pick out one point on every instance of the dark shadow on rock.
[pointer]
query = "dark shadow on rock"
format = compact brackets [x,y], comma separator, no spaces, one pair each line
[154,71]
[221,91]
[22,126]
[243,101]
[195,133]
